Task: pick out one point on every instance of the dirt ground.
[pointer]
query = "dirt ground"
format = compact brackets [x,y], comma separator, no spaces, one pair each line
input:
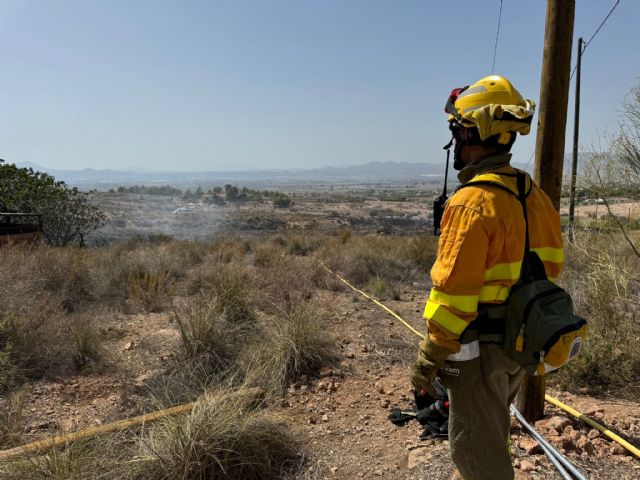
[343,411]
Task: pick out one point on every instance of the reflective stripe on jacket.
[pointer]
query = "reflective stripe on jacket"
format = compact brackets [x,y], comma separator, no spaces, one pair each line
[480,251]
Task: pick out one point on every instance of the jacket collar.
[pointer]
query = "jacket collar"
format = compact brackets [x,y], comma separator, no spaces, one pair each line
[484,165]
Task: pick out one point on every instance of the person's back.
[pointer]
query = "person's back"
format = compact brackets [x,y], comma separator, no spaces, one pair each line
[480,254]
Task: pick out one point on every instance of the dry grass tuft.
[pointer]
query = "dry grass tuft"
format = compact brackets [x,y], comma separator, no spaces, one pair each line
[229,249]
[383,289]
[44,342]
[232,285]
[287,281]
[225,436]
[11,418]
[209,335]
[364,258]
[150,292]
[107,457]
[86,347]
[293,343]
[421,250]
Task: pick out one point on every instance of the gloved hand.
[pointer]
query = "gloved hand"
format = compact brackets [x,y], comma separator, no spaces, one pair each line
[430,358]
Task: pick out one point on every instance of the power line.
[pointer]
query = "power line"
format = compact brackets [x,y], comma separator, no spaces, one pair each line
[598,29]
[495,48]
[530,158]
[594,35]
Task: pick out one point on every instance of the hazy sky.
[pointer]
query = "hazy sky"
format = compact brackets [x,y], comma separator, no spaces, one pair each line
[221,85]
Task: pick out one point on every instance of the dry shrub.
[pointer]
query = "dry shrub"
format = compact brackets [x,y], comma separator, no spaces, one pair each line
[232,285]
[292,344]
[287,281]
[601,275]
[265,255]
[11,418]
[224,436]
[44,341]
[67,273]
[382,289]
[209,335]
[36,340]
[150,292]
[228,249]
[345,235]
[153,269]
[301,244]
[16,276]
[364,258]
[106,457]
[421,250]
[8,369]
[81,278]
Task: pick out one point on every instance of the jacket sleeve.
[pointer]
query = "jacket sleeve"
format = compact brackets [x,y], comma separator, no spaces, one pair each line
[457,276]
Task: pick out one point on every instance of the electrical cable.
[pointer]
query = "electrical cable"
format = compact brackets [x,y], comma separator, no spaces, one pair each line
[495,47]
[527,165]
[594,35]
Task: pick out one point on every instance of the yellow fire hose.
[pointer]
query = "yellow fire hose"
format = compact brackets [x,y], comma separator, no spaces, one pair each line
[593,424]
[547,397]
[384,307]
[60,440]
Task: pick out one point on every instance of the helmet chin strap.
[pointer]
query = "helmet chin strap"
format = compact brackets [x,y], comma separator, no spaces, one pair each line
[458,164]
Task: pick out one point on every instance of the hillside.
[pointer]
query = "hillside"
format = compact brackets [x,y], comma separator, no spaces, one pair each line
[294,374]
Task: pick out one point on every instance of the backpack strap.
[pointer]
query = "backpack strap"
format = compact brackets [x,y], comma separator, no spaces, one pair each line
[522,197]
[527,268]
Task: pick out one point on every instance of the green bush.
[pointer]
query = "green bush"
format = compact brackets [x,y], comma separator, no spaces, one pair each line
[67,213]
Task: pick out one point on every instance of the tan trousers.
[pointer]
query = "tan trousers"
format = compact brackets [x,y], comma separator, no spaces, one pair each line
[479,421]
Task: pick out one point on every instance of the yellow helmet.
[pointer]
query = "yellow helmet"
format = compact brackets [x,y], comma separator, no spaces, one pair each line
[493,106]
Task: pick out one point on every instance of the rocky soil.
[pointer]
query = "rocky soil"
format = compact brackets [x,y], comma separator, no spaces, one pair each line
[343,410]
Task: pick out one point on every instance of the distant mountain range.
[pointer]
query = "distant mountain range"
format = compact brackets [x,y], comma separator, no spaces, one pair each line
[374,172]
[370,172]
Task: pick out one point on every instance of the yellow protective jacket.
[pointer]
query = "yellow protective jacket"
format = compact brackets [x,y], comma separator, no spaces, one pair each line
[481,248]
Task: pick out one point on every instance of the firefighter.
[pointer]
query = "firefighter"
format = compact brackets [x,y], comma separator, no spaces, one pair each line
[479,258]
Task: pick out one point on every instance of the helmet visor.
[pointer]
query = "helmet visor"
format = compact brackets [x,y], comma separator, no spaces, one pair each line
[450,106]
[460,132]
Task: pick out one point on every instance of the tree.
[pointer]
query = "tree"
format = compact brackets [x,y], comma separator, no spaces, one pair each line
[231,192]
[67,213]
[188,195]
[281,200]
[626,149]
[616,171]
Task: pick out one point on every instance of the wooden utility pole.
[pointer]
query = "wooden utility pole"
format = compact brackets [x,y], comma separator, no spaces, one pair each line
[576,131]
[552,120]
